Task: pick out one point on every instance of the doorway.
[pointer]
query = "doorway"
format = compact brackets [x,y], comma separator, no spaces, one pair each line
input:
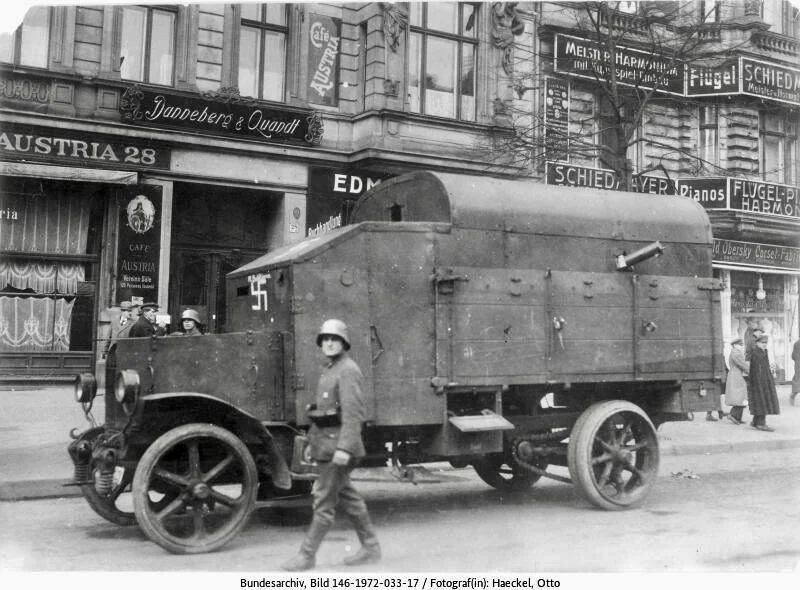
[215,230]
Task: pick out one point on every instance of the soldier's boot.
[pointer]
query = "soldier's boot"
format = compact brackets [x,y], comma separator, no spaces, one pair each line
[306,557]
[370,550]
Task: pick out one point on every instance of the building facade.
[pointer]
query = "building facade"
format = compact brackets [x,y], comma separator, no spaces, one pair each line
[147,150]
[718,124]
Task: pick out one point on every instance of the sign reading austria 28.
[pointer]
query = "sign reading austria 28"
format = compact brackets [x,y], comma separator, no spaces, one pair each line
[323,60]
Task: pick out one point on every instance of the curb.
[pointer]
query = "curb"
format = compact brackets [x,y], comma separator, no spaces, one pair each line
[37,489]
[729,447]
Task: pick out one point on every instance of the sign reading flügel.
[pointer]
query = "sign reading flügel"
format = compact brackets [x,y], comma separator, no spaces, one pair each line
[323,60]
[233,116]
[78,148]
[589,59]
[753,196]
[755,254]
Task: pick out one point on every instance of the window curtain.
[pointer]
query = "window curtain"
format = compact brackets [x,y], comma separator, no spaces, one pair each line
[43,277]
[35,324]
[40,321]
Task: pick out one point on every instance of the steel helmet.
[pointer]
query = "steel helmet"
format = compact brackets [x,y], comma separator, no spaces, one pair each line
[334,328]
[191,314]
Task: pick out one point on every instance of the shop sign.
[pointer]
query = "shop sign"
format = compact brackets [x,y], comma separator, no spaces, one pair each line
[556,118]
[588,59]
[332,195]
[139,243]
[34,92]
[752,196]
[770,80]
[76,148]
[323,60]
[756,255]
[217,114]
[560,174]
[711,193]
[764,197]
[712,81]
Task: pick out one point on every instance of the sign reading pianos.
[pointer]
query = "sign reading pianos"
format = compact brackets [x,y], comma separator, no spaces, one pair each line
[221,114]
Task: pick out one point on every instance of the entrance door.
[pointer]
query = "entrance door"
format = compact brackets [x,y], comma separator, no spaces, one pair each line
[198,281]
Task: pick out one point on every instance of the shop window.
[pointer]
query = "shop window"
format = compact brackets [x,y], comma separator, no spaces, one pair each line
[46,272]
[443,48]
[708,144]
[757,300]
[29,44]
[262,51]
[778,147]
[210,33]
[148,44]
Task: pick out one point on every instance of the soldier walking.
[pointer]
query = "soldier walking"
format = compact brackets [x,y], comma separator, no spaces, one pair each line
[336,444]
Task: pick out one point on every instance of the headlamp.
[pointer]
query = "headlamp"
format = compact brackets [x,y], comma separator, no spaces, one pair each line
[127,387]
[85,388]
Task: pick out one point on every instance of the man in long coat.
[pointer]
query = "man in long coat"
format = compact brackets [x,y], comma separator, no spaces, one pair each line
[761,394]
[336,445]
[736,385]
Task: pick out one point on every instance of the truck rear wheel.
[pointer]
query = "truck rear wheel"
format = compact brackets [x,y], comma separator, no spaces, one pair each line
[613,455]
[210,481]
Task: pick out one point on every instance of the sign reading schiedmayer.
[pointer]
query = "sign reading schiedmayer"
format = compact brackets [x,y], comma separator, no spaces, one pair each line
[228,115]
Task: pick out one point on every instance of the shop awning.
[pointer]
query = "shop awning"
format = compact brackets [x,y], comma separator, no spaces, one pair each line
[757,269]
[68,173]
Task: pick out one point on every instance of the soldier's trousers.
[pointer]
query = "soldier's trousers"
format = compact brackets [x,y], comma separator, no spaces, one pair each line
[333,488]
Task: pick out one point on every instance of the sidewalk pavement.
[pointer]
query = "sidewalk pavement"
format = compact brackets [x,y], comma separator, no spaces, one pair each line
[35,423]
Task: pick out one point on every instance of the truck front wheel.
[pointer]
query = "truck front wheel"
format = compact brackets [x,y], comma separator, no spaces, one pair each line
[194,488]
[613,455]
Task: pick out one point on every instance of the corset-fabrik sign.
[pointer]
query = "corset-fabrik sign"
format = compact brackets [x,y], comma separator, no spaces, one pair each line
[221,114]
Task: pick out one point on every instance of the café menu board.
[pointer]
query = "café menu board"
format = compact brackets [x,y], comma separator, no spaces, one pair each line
[139,243]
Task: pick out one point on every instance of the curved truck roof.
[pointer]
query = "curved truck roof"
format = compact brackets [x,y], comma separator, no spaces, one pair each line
[480,202]
[520,206]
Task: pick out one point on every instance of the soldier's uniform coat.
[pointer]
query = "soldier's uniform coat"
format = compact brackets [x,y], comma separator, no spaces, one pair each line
[340,387]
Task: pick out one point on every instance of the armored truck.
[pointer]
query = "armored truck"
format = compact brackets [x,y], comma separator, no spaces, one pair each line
[500,324]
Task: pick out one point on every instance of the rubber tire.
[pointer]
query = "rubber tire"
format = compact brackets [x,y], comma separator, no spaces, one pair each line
[581,446]
[143,475]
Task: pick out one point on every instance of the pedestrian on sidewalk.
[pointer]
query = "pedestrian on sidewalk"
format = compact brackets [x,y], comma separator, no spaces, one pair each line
[736,385]
[336,445]
[762,398]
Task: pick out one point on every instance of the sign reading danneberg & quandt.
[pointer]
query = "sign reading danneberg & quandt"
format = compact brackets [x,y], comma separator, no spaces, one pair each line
[236,116]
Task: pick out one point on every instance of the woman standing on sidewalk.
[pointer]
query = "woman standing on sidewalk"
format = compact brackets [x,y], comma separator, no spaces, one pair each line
[736,385]
[761,395]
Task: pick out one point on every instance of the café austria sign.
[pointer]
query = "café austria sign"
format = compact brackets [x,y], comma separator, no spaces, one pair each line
[221,114]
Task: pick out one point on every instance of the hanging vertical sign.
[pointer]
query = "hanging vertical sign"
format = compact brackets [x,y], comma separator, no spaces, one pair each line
[139,243]
[323,60]
[556,119]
